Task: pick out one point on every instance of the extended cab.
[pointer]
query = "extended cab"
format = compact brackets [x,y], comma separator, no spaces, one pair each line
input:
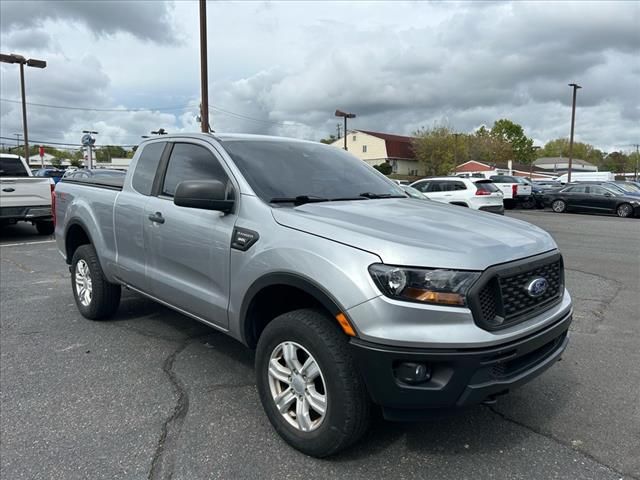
[24,197]
[352,293]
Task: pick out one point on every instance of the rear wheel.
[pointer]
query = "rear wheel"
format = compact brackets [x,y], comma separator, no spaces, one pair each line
[624,210]
[96,298]
[45,228]
[559,206]
[529,203]
[308,383]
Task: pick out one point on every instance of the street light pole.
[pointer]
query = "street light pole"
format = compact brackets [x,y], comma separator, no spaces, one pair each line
[20,60]
[340,113]
[575,87]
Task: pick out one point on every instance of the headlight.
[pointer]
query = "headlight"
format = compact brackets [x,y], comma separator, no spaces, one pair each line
[439,286]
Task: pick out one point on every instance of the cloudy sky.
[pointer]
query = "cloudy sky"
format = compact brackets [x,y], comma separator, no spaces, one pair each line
[283,67]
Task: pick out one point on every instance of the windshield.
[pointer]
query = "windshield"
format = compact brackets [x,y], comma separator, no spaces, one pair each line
[628,187]
[280,170]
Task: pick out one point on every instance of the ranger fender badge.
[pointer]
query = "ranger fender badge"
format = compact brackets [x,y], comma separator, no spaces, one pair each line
[243,238]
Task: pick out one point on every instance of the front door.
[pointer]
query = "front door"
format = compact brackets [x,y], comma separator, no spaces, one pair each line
[188,248]
[601,199]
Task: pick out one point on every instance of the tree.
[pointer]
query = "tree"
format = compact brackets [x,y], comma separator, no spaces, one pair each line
[618,162]
[329,140]
[512,133]
[384,168]
[107,152]
[435,149]
[75,162]
[559,147]
[56,162]
[487,148]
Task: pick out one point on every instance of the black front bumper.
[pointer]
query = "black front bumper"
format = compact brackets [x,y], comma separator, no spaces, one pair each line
[459,377]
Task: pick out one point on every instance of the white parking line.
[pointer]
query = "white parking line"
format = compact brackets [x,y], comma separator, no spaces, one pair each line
[25,243]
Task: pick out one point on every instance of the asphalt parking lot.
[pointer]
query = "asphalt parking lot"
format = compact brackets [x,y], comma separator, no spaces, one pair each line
[153,394]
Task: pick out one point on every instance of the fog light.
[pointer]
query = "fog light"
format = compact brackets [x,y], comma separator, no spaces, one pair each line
[412,372]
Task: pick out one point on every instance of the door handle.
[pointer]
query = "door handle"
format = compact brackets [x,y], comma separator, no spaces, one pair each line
[156,217]
[9,190]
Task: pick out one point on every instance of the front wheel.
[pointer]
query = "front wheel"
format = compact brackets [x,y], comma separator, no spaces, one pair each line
[96,298]
[308,383]
[624,210]
[559,206]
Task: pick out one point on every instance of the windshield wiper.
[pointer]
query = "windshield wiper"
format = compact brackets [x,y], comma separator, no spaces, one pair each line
[381,195]
[299,200]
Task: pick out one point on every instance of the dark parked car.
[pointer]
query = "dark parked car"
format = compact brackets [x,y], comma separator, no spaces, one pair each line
[619,187]
[54,173]
[592,198]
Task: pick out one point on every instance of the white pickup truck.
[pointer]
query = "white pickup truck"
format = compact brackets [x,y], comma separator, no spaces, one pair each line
[24,197]
[516,190]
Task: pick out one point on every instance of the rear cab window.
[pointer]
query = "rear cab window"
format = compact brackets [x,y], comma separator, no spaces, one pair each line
[12,167]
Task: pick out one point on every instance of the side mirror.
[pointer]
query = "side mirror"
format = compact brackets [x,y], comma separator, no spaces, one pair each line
[203,194]
[607,194]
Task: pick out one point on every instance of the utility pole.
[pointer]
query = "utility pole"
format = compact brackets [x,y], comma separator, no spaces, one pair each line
[204,75]
[575,87]
[338,126]
[635,172]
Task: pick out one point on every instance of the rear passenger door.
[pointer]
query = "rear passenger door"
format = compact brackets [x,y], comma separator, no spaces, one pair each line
[188,248]
[577,198]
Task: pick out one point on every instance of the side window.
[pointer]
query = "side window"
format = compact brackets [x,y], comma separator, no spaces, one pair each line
[191,162]
[423,186]
[435,187]
[147,167]
[597,190]
[459,186]
[579,189]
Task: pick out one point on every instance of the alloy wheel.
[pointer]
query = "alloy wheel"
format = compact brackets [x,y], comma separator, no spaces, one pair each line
[84,286]
[297,386]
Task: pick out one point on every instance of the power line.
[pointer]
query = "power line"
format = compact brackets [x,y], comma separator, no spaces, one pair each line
[145,109]
[43,142]
[66,107]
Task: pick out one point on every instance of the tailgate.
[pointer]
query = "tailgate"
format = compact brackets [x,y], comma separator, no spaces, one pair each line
[524,190]
[25,192]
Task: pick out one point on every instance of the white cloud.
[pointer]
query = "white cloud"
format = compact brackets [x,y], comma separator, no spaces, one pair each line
[283,68]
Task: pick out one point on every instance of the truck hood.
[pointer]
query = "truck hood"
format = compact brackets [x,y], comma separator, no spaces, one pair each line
[419,233]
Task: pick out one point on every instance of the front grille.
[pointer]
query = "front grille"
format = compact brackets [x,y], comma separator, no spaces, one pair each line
[501,299]
[515,298]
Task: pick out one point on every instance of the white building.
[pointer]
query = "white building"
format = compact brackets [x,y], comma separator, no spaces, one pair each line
[376,148]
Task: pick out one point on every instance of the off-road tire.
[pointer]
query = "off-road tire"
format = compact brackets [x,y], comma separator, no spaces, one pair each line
[348,405]
[105,297]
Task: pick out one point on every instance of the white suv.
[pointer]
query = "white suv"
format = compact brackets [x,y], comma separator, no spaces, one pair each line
[477,194]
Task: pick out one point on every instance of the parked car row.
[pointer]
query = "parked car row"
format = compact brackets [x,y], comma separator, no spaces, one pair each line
[597,197]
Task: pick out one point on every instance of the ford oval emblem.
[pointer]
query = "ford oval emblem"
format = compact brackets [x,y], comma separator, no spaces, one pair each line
[537,287]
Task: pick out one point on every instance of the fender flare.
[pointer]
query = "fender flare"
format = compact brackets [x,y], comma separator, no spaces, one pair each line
[288,279]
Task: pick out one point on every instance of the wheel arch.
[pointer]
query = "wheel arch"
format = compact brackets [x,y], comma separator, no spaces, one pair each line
[277,293]
[76,234]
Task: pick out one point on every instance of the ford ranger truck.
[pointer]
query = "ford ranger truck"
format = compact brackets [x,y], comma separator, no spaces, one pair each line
[353,295]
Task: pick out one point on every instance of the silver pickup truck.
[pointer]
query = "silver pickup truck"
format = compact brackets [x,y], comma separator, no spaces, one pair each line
[354,295]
